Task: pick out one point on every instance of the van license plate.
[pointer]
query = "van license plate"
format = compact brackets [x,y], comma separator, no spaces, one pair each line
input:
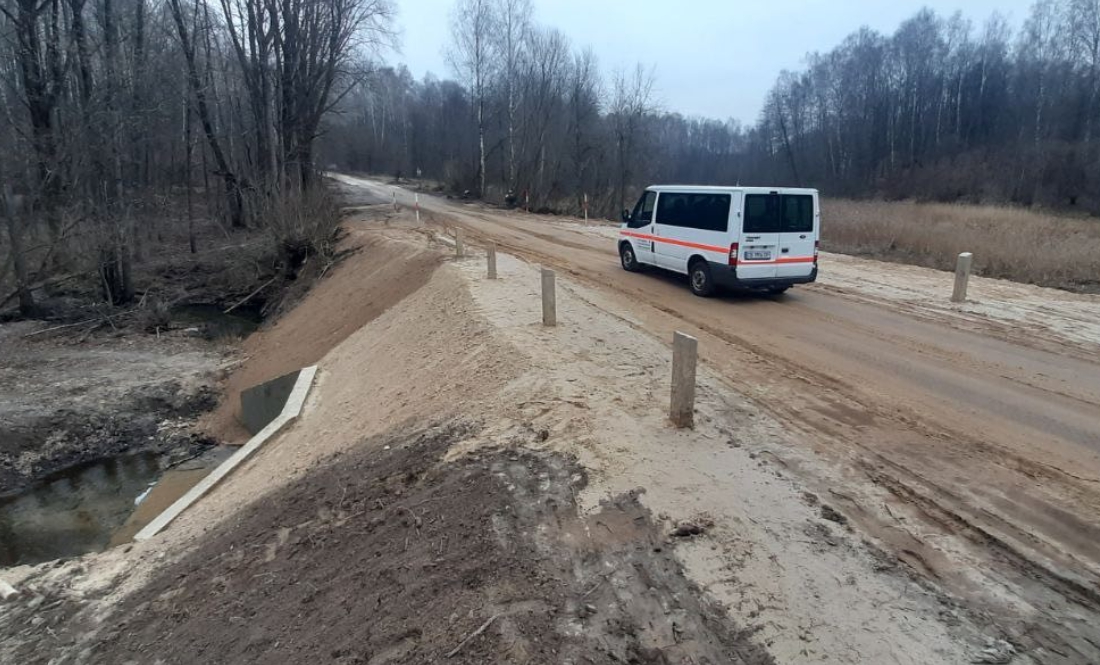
[757,255]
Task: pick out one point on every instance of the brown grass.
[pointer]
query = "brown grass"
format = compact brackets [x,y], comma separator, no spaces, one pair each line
[1008,243]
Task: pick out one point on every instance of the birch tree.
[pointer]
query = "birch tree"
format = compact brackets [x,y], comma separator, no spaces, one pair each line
[471,57]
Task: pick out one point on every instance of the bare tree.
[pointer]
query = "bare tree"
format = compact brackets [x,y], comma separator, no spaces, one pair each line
[1038,42]
[631,101]
[41,56]
[471,57]
[1082,27]
[514,20]
[11,206]
[199,88]
[584,120]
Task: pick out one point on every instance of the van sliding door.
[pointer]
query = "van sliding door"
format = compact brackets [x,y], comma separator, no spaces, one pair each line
[689,224]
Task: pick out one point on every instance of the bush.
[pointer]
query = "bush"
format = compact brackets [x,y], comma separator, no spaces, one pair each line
[300,226]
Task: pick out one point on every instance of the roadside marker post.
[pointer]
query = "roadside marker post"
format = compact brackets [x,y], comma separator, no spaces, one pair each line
[492,258]
[458,244]
[549,299]
[962,277]
[416,205]
[685,350]
[395,201]
[586,208]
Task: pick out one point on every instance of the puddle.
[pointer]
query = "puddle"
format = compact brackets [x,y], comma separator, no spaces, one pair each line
[215,323]
[90,507]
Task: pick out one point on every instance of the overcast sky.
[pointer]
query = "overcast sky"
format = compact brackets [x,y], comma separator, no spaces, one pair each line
[715,58]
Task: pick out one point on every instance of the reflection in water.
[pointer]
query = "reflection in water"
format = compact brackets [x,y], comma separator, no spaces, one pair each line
[89,507]
[73,511]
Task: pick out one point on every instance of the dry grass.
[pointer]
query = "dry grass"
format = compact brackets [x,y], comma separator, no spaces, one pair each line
[1008,243]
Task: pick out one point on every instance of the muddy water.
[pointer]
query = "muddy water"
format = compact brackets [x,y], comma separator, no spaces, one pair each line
[90,507]
[215,323]
[171,486]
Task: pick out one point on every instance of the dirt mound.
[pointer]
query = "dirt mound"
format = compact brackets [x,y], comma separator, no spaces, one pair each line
[377,274]
[391,555]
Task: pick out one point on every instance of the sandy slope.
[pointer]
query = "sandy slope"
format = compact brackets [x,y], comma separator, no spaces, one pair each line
[811,582]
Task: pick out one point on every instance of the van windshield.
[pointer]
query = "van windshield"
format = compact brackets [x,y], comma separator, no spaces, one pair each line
[779,213]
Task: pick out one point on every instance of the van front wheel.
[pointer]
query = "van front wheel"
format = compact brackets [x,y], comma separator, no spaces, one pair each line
[630,261]
[700,279]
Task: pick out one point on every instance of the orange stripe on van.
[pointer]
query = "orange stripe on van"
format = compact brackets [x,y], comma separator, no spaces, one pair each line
[681,243]
[713,248]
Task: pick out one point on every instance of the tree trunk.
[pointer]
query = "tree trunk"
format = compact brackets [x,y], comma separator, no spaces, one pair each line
[481,145]
[786,140]
[15,236]
[233,195]
[188,150]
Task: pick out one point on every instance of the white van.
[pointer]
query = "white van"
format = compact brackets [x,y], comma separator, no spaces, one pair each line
[763,238]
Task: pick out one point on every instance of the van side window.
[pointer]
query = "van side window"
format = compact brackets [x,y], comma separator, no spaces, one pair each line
[707,212]
[761,213]
[643,212]
[798,213]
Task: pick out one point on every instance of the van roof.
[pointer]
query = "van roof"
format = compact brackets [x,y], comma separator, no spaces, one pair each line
[736,188]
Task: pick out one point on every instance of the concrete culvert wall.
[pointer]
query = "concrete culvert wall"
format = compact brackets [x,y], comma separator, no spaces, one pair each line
[263,403]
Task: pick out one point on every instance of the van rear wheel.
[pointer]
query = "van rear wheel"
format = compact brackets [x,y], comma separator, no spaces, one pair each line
[629,260]
[699,278]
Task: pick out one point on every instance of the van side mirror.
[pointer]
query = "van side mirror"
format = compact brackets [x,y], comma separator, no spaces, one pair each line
[626,216]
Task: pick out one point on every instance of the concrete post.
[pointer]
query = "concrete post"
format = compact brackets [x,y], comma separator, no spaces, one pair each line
[962,277]
[549,299]
[459,252]
[492,258]
[417,205]
[684,353]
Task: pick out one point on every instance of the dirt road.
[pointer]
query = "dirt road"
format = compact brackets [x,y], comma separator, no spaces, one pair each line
[965,438]
[874,475]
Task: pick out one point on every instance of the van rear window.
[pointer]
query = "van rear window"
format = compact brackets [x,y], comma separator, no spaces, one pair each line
[798,213]
[775,213]
[761,213]
[707,212]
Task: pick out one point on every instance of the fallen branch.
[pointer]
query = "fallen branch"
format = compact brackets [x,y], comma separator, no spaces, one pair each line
[67,325]
[40,284]
[250,295]
[473,635]
[36,281]
[105,318]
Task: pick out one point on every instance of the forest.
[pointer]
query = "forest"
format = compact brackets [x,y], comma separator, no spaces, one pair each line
[941,109]
[123,122]
[129,127]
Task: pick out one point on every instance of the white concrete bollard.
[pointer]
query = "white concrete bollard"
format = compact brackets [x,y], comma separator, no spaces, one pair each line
[684,353]
[549,299]
[492,259]
[962,277]
[459,251]
[416,204]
